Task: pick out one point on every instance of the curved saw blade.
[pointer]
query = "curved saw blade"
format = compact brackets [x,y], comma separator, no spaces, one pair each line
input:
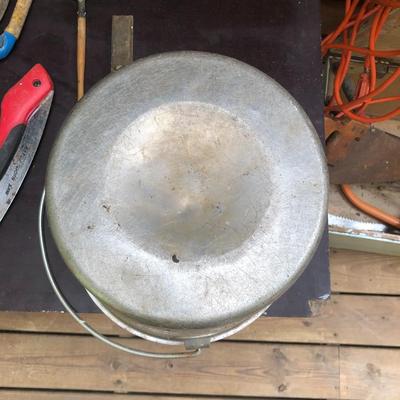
[352,224]
[19,165]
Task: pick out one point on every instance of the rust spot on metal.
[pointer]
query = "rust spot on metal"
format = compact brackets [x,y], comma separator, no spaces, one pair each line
[356,153]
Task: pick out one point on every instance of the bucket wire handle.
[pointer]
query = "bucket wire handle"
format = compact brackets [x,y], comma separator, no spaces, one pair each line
[67,305]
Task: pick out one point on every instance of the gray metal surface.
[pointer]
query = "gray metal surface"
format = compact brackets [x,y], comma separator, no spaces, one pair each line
[3,7]
[187,192]
[19,165]
[81,8]
[58,291]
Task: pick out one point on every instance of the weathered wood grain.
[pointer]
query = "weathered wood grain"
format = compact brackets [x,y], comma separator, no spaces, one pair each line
[357,272]
[62,395]
[369,374]
[344,319]
[230,369]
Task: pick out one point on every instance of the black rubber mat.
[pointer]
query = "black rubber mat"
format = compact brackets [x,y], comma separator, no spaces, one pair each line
[279,37]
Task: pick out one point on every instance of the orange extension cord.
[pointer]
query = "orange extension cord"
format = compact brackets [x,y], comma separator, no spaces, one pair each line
[356,12]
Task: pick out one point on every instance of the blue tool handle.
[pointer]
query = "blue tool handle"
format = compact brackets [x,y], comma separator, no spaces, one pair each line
[7,42]
[14,27]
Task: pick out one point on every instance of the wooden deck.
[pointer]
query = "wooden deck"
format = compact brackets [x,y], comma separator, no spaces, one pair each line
[349,350]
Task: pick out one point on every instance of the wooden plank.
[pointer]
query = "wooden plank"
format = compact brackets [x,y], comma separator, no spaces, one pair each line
[358,272]
[55,322]
[344,319]
[369,374]
[60,395]
[51,395]
[230,369]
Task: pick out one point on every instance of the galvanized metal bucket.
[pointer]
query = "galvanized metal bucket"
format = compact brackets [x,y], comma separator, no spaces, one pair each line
[186,192]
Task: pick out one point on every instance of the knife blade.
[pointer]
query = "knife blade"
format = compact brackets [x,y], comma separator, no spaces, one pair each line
[24,112]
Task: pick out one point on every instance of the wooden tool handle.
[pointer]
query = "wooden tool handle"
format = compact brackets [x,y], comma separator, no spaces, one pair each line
[81,54]
[18,17]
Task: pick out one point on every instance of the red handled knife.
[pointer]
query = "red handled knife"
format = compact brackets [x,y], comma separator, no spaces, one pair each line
[24,111]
